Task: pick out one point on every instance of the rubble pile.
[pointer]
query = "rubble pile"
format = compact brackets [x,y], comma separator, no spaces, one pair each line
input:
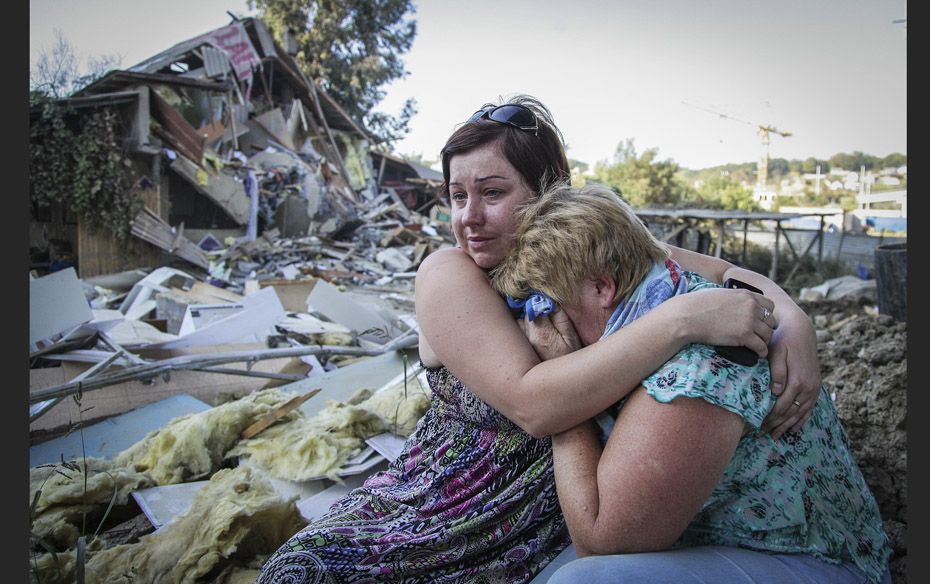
[863,359]
[267,312]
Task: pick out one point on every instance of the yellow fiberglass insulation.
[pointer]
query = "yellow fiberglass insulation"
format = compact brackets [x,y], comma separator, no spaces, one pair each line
[65,502]
[53,568]
[309,448]
[193,446]
[235,517]
[401,405]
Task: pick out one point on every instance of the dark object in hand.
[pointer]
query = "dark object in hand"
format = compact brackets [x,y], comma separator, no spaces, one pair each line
[738,354]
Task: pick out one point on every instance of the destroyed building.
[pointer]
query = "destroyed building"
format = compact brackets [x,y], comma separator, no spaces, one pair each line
[229,138]
[273,260]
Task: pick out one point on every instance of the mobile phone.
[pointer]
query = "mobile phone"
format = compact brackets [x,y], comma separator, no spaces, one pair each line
[734,283]
[738,354]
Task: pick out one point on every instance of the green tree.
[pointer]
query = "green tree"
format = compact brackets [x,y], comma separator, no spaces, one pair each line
[642,179]
[778,168]
[809,165]
[895,159]
[353,49]
[727,193]
[854,161]
[80,161]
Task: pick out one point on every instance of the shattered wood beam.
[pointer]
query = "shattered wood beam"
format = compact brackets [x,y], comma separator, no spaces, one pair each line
[156,368]
[151,228]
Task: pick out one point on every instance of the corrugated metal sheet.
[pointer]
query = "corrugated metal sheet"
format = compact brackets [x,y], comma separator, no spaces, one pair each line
[215,62]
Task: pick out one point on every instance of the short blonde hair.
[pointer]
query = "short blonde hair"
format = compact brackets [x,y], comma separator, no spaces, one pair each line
[568,235]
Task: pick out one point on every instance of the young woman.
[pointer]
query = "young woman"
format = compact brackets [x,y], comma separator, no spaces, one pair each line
[472,497]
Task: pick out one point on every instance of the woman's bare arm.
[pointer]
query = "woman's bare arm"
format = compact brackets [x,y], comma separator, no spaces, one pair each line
[793,351]
[661,462]
[470,330]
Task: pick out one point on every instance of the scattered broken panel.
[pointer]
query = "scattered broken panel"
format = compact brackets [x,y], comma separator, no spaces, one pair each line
[153,229]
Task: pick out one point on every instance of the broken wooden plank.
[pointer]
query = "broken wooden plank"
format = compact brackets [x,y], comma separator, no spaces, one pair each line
[151,228]
[176,130]
[278,413]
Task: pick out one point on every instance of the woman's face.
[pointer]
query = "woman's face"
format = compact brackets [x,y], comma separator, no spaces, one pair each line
[485,190]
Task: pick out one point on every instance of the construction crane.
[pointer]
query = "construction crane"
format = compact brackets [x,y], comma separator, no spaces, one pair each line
[764,131]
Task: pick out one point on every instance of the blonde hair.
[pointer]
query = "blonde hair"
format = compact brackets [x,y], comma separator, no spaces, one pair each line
[568,235]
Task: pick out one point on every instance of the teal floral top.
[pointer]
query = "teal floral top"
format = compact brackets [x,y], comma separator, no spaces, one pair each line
[802,493]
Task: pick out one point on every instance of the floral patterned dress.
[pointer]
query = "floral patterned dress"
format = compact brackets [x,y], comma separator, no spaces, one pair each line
[470,499]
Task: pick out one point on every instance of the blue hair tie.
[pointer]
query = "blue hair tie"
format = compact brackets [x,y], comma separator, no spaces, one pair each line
[536,304]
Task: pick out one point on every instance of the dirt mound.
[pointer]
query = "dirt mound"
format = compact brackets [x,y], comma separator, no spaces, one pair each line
[863,357]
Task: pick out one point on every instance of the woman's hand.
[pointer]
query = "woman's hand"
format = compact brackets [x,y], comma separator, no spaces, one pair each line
[719,316]
[795,375]
[552,335]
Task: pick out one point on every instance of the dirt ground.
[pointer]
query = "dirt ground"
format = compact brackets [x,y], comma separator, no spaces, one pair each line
[863,357]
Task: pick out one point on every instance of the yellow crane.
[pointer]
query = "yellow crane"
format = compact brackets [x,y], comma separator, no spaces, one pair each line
[764,130]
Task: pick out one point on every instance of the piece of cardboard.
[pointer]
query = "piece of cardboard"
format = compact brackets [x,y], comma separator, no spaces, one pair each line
[56,305]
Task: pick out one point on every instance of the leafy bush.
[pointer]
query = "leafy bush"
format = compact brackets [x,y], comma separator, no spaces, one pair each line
[80,161]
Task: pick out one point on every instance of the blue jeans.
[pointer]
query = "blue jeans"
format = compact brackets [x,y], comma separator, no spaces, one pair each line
[698,565]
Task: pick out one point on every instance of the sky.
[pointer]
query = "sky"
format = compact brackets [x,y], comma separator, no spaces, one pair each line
[830,72]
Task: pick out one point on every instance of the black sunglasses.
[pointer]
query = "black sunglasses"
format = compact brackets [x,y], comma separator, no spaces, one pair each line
[511,114]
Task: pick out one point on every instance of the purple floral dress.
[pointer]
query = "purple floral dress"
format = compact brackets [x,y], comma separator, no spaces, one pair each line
[470,499]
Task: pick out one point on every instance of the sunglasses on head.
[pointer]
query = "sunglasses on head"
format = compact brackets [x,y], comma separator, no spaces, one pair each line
[511,114]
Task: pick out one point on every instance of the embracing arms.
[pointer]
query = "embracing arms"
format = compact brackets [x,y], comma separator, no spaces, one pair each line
[792,352]
[660,464]
[469,329]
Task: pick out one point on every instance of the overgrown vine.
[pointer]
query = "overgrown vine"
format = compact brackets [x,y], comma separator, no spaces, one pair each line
[82,163]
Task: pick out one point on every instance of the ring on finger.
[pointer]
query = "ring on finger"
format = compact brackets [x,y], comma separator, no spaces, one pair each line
[796,403]
[765,313]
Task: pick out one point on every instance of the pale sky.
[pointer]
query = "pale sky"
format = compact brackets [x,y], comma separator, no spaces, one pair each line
[831,72]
